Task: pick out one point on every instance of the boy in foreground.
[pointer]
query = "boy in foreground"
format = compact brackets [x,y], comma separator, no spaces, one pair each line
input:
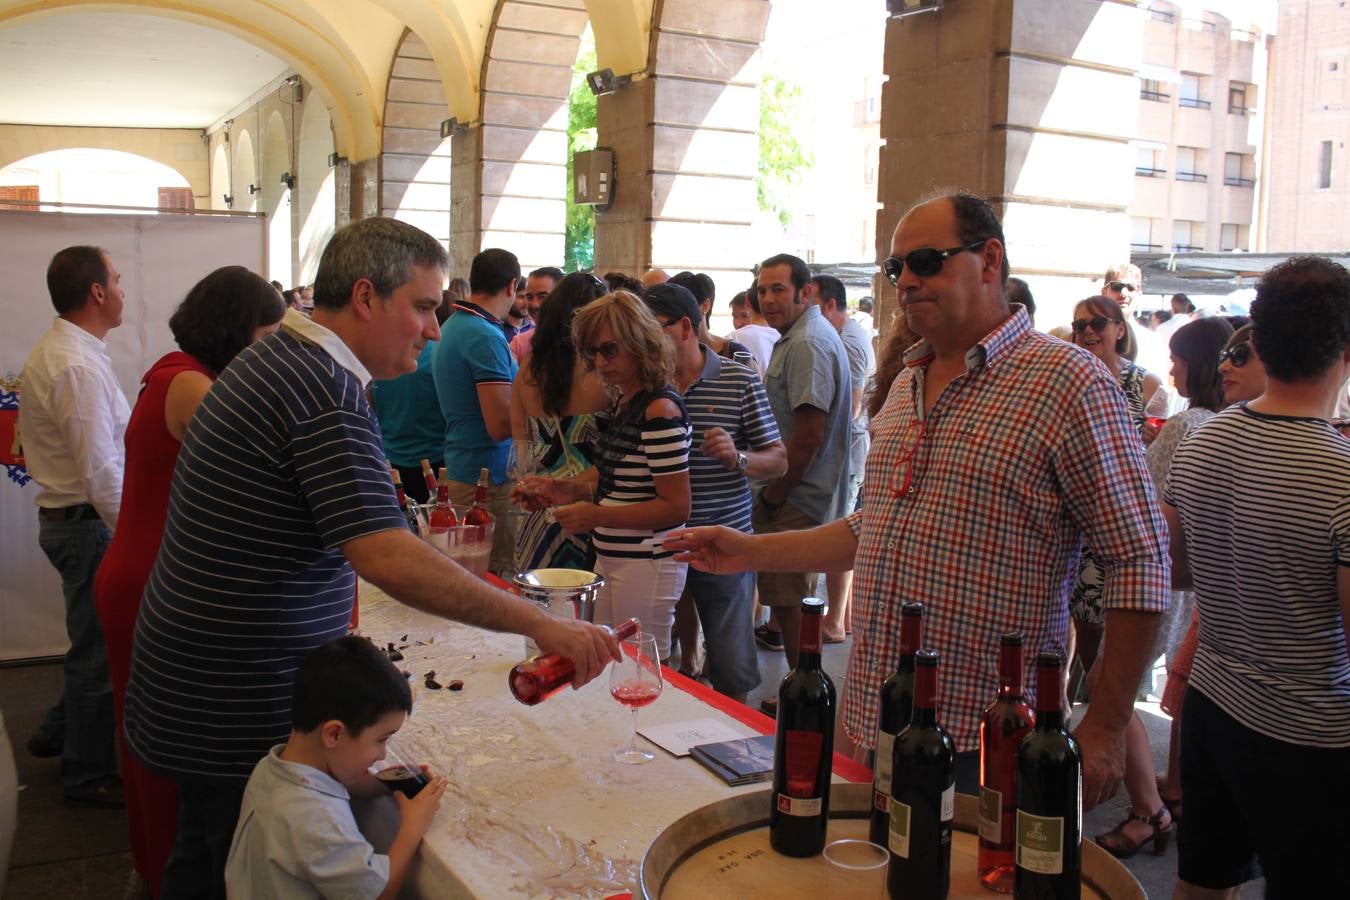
[296,835]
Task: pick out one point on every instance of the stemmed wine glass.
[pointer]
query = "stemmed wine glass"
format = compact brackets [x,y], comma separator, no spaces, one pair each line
[525,459]
[636,682]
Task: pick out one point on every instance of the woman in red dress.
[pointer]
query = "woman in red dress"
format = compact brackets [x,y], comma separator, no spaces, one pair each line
[222,314]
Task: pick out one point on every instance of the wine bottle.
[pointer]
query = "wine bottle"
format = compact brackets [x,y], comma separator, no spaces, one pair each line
[1049,796]
[430,478]
[803,747]
[534,680]
[409,514]
[443,516]
[923,796]
[1005,722]
[897,702]
[478,513]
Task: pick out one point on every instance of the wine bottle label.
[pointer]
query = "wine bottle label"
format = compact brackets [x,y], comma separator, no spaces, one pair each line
[803,762]
[991,815]
[949,803]
[881,768]
[882,802]
[1040,843]
[899,832]
[799,806]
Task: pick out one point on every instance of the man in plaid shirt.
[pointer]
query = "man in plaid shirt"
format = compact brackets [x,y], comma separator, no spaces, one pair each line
[999,450]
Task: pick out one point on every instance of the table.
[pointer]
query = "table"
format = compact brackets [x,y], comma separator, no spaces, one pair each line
[535,806]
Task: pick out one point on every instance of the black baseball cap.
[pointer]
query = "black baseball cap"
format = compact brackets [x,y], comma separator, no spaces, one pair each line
[673,302]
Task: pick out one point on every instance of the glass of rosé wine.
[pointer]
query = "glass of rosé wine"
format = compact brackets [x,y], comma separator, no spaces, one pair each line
[635,682]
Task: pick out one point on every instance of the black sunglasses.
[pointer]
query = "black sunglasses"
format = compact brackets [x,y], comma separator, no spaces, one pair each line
[1121,287]
[1238,355]
[597,282]
[1096,323]
[609,350]
[924,262]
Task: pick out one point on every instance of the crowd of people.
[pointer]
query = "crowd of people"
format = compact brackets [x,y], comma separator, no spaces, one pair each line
[1007,478]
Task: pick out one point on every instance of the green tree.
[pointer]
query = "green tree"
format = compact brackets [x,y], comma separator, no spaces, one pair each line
[781,156]
[579,243]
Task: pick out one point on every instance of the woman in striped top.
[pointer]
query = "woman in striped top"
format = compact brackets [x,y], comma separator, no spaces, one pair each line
[640,480]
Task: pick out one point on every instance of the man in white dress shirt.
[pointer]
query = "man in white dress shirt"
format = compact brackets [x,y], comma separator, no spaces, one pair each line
[72,419]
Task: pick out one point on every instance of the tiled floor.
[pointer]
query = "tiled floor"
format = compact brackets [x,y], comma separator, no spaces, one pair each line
[83,854]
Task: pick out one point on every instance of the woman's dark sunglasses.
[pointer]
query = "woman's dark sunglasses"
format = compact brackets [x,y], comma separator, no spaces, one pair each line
[1238,355]
[609,350]
[1096,323]
[924,262]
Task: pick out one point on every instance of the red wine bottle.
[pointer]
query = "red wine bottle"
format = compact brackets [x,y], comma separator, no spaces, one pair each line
[803,747]
[443,516]
[540,677]
[923,796]
[478,513]
[1049,796]
[897,702]
[1005,722]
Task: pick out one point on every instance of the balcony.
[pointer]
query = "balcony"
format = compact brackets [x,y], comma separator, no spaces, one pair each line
[1146,248]
[1230,181]
[1162,15]
[1199,177]
[1193,103]
[1145,172]
[1155,96]
[1186,248]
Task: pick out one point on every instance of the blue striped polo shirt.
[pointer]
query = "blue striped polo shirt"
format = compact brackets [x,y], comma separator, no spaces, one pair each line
[281,465]
[729,396]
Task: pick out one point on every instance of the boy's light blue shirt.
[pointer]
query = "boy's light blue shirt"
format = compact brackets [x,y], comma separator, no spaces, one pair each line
[297,838]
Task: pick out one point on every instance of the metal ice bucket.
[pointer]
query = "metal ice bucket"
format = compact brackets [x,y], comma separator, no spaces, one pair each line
[567,593]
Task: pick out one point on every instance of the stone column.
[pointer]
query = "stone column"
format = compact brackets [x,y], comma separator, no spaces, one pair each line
[1031,103]
[687,148]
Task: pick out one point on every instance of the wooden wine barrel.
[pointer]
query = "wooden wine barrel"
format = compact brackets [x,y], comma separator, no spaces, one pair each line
[722,850]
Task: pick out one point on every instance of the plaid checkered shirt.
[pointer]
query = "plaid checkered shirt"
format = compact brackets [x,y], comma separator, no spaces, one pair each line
[978,507]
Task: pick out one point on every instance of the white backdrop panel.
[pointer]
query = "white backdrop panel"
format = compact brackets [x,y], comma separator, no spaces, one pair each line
[160,258]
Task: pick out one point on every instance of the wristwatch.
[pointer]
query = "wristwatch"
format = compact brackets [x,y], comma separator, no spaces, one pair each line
[742,462]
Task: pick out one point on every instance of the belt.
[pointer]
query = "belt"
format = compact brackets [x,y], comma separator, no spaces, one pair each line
[68,513]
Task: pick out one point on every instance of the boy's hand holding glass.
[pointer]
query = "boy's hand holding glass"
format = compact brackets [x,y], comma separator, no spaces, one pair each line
[418,812]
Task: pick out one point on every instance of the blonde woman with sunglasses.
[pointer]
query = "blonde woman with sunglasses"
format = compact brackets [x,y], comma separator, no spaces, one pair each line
[638,489]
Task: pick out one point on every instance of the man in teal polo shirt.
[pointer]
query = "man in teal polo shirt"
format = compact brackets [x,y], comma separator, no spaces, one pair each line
[411,425]
[473,370]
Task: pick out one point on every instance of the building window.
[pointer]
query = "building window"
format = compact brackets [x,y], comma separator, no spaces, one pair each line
[1141,235]
[1324,166]
[1239,169]
[1148,162]
[1187,236]
[1241,98]
[1193,91]
[1232,237]
[1191,164]
[1150,89]
[175,198]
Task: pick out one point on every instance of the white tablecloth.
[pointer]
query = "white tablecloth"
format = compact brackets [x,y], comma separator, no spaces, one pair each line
[536,807]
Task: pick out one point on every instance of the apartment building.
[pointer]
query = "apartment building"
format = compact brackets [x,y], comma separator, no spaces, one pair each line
[1201,112]
[1308,175]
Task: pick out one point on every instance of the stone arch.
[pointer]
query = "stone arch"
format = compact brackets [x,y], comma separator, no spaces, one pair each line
[179,149]
[220,177]
[93,175]
[276,197]
[522,141]
[416,160]
[317,189]
[243,172]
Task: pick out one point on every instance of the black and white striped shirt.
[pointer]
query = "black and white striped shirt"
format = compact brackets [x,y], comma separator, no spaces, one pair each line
[281,465]
[729,396]
[633,452]
[1265,502]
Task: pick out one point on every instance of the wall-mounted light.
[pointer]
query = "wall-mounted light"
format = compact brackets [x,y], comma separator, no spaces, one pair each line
[253,189]
[334,160]
[229,201]
[606,82]
[450,127]
[296,89]
[289,180]
[901,8]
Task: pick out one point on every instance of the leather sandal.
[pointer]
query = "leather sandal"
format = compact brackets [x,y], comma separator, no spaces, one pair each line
[1122,846]
[1173,804]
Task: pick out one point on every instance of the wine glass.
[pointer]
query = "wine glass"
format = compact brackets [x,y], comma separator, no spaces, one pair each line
[636,682]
